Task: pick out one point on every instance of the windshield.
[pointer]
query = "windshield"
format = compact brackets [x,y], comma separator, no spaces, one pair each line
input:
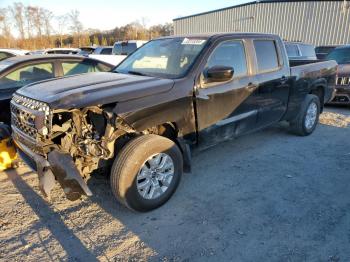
[341,55]
[168,58]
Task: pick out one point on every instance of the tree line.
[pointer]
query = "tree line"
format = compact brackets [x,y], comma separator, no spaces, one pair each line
[36,30]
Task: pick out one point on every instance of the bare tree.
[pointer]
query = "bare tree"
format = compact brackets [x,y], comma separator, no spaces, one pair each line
[18,15]
[46,17]
[29,19]
[76,26]
[62,22]
[5,27]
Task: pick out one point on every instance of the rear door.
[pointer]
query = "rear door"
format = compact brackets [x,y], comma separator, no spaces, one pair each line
[273,79]
[226,109]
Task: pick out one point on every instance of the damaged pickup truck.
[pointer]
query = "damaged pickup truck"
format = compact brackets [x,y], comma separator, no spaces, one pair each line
[170,96]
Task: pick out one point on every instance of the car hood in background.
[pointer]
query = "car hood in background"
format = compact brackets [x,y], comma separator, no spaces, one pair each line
[93,89]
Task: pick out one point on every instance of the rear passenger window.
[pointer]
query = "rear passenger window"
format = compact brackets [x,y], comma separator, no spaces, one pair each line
[73,68]
[266,55]
[292,50]
[230,53]
[308,50]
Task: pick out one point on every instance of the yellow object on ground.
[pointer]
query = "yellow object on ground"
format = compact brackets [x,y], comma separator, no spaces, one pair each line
[8,154]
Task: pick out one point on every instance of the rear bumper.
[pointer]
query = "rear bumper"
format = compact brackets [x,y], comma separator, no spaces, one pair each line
[59,166]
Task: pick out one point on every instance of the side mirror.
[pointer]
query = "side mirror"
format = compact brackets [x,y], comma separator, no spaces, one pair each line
[219,74]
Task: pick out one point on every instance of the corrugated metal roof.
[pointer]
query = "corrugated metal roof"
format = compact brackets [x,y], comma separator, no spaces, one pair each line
[252,3]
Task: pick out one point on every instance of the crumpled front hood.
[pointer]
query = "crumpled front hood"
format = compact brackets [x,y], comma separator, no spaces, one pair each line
[93,89]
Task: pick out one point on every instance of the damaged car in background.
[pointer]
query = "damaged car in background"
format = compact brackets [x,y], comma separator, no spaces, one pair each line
[171,95]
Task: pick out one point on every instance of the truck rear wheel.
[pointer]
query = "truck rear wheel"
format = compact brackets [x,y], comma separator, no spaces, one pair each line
[308,116]
[146,172]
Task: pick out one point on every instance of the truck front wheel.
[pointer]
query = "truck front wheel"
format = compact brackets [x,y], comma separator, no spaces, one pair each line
[308,116]
[146,172]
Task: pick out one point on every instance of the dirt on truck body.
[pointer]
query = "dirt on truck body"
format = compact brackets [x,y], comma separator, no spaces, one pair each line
[172,94]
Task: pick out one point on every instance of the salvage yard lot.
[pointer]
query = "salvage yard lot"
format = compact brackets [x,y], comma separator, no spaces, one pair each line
[268,196]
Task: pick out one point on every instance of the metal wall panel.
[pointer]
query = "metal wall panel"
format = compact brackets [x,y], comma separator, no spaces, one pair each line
[316,22]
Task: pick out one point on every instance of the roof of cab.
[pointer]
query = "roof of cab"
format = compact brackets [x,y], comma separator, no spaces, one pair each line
[27,58]
[225,34]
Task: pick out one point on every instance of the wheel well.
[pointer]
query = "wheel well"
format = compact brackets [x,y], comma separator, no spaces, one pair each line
[168,130]
[319,91]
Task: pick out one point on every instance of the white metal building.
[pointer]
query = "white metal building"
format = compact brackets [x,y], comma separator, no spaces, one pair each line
[318,22]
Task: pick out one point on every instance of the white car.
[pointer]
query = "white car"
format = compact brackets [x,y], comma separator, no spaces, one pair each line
[57,51]
[8,52]
[121,50]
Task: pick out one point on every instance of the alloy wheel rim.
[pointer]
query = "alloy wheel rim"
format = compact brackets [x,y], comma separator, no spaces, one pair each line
[155,176]
[311,115]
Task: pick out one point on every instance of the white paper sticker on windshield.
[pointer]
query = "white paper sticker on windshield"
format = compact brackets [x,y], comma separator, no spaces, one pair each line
[187,41]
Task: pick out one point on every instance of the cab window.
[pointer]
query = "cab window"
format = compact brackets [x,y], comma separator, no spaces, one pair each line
[27,75]
[266,55]
[292,50]
[73,68]
[231,54]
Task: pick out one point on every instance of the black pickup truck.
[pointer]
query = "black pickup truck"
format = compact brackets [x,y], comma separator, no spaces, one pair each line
[168,97]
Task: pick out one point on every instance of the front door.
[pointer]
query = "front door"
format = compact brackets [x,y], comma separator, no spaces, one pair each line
[226,109]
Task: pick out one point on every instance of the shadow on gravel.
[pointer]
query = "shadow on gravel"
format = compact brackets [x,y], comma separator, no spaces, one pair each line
[70,243]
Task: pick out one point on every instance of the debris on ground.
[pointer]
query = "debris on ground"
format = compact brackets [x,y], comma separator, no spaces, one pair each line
[334,119]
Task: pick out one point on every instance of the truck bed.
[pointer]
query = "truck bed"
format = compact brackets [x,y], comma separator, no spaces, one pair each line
[293,63]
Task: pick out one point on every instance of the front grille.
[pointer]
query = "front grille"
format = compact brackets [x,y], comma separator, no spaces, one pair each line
[30,116]
[24,121]
[343,81]
[341,99]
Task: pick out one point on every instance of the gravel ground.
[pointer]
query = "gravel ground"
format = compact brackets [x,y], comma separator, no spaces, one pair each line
[269,196]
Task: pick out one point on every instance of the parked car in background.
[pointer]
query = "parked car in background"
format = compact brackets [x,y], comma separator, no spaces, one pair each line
[62,51]
[104,53]
[323,51]
[169,95]
[19,71]
[7,52]
[120,51]
[300,51]
[125,48]
[86,50]
[103,50]
[56,51]
[342,82]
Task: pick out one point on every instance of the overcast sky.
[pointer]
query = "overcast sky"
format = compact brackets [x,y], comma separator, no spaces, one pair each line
[107,14]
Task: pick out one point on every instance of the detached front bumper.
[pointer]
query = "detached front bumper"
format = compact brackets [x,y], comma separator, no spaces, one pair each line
[58,166]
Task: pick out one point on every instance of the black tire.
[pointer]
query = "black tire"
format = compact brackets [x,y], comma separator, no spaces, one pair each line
[128,163]
[298,126]
[5,131]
